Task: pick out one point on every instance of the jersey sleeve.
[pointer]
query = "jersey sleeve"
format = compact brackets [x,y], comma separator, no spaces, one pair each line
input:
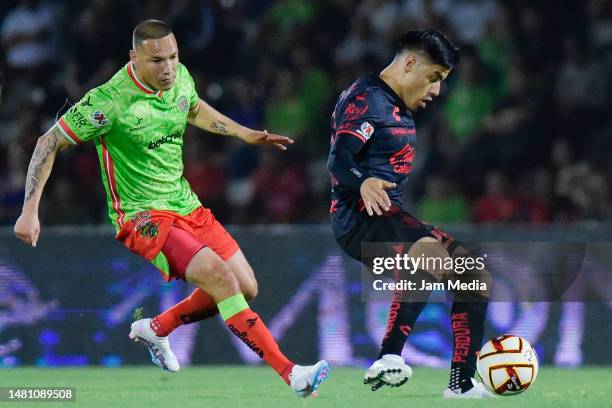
[353,127]
[91,117]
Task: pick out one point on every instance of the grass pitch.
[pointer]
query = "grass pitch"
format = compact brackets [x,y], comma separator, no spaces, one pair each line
[237,386]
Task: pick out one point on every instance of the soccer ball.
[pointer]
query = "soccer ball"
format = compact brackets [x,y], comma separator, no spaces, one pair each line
[507,364]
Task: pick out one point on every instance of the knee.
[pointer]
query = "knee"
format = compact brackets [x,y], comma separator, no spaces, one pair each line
[250,290]
[211,272]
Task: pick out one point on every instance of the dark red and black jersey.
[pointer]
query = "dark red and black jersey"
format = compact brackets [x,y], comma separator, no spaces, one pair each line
[373,135]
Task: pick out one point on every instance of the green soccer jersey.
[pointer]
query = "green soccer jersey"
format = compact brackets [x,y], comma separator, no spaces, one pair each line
[138,134]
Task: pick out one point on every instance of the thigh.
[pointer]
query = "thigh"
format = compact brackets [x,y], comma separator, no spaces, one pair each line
[179,249]
[393,226]
[212,234]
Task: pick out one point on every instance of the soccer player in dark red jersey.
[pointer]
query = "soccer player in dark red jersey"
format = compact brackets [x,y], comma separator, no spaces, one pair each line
[137,120]
[372,153]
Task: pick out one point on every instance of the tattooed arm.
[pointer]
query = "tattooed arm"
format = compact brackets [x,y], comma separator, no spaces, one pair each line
[27,226]
[207,118]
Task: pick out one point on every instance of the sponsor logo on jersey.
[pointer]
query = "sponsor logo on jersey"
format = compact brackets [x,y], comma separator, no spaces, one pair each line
[164,139]
[183,104]
[86,102]
[402,131]
[356,172]
[139,125]
[402,160]
[99,118]
[354,112]
[76,117]
[366,130]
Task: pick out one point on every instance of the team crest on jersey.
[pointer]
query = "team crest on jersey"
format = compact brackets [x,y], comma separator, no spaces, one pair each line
[150,230]
[99,118]
[366,130]
[182,104]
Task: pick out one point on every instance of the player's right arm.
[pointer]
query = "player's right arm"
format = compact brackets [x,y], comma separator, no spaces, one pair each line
[27,227]
[352,133]
[89,118]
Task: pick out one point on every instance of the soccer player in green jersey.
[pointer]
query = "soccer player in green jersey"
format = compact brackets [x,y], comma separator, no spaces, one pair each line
[136,121]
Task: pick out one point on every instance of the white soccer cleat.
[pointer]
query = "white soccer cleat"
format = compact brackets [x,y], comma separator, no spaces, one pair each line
[305,380]
[390,370]
[159,347]
[478,391]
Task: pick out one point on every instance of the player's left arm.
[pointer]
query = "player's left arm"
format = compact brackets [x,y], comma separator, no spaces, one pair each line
[207,118]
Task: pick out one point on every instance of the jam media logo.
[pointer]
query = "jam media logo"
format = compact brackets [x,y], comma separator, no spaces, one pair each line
[182,104]
[99,118]
[366,130]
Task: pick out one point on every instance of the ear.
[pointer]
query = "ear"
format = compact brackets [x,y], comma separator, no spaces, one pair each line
[133,57]
[409,62]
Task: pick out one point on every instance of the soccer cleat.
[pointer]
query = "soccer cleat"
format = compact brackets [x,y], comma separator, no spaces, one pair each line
[478,391]
[390,370]
[305,380]
[159,347]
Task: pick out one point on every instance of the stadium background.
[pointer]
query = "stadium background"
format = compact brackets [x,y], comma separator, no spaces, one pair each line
[518,145]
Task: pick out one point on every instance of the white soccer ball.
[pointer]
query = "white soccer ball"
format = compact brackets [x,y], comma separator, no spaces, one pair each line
[507,364]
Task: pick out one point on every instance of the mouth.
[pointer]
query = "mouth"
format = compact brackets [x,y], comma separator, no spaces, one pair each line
[423,102]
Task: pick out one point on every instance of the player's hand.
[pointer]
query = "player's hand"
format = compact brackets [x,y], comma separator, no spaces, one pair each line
[374,195]
[264,138]
[27,228]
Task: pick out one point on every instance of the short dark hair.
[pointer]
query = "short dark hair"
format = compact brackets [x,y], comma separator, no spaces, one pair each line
[149,30]
[435,44]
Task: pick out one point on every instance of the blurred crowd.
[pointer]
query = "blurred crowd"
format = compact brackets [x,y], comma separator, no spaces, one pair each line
[521,132]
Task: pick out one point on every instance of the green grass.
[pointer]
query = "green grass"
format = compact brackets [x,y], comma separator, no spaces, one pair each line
[222,386]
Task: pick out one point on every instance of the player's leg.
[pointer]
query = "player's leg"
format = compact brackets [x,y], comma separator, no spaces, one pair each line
[390,368]
[180,247]
[467,319]
[407,306]
[212,274]
[397,226]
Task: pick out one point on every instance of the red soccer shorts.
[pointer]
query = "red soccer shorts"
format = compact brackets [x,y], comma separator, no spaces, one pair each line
[169,240]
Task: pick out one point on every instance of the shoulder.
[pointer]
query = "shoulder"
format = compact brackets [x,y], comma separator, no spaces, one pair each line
[361,99]
[114,87]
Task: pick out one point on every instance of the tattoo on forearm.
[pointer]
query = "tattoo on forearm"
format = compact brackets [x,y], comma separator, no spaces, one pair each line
[221,128]
[45,148]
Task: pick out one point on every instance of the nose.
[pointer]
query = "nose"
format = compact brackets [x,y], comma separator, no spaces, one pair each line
[435,89]
[167,68]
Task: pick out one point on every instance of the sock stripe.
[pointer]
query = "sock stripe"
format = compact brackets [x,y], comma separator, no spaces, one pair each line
[232,306]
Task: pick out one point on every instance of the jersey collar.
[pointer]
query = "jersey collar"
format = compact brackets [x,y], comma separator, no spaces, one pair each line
[400,103]
[141,85]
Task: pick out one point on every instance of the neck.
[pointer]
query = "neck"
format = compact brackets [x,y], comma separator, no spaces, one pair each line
[388,76]
[142,79]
